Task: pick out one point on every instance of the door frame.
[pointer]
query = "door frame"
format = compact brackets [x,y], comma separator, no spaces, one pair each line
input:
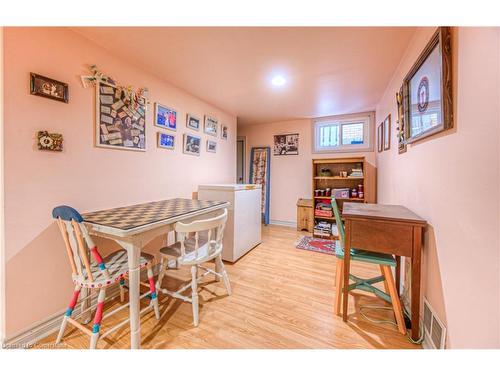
[241,138]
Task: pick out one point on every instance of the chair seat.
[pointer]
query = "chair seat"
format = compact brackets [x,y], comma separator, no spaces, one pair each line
[117,266]
[205,252]
[366,256]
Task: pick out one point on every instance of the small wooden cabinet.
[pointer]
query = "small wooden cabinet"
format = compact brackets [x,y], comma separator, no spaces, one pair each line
[305,215]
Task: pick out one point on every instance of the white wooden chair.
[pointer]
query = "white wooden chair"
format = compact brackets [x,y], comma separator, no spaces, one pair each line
[194,250]
[96,274]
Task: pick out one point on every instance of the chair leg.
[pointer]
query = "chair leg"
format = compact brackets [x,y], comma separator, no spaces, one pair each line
[69,311]
[386,287]
[338,285]
[396,303]
[194,294]
[163,268]
[122,290]
[152,290]
[97,318]
[217,269]
[222,270]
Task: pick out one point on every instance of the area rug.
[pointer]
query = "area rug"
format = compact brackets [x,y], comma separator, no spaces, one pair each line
[316,244]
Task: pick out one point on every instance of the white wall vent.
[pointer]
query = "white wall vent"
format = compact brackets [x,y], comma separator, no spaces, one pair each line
[435,331]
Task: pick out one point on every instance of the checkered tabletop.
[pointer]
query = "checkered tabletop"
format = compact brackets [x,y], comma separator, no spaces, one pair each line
[130,217]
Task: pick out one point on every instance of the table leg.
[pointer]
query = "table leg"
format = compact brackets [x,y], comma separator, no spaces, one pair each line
[347,259]
[398,274]
[133,252]
[415,283]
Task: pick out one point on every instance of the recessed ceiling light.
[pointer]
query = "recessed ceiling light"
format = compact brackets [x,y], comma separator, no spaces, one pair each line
[278,80]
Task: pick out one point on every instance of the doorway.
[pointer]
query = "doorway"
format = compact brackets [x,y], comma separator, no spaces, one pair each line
[240,160]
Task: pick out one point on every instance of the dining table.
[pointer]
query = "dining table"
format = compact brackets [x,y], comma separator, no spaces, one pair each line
[133,227]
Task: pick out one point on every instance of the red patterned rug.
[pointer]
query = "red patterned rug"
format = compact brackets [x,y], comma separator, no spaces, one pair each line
[316,244]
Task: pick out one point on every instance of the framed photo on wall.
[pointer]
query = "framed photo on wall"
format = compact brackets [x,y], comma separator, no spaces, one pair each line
[380,137]
[427,89]
[387,132]
[48,88]
[166,141]
[191,144]
[211,146]
[223,132]
[286,144]
[165,117]
[211,125]
[192,122]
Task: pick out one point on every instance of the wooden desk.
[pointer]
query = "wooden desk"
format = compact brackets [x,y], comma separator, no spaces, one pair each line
[386,229]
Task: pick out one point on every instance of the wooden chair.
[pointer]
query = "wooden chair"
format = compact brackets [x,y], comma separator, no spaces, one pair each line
[96,274]
[385,262]
[193,251]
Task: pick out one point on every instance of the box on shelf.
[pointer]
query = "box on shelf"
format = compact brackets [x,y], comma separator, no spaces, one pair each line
[341,193]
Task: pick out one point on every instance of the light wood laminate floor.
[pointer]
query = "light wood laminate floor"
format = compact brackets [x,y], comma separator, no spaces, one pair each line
[282,298]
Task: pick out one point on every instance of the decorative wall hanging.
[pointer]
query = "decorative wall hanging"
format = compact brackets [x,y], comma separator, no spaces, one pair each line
[387,132]
[427,91]
[211,146]
[401,122]
[260,173]
[165,117]
[191,144]
[223,132]
[48,88]
[380,137]
[211,125]
[49,141]
[193,122]
[286,144]
[120,113]
[166,141]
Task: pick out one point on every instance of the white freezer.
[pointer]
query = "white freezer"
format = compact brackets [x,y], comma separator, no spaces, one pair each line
[243,228]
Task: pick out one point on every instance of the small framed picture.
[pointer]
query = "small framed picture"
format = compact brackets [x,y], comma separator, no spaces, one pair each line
[211,125]
[223,132]
[166,141]
[286,144]
[49,141]
[387,132]
[165,117]
[191,144]
[193,122]
[211,146]
[380,137]
[48,88]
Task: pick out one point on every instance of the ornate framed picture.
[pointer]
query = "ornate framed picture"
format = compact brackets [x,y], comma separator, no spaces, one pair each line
[286,144]
[427,90]
[191,144]
[211,125]
[49,141]
[48,88]
[166,141]
[387,132]
[192,122]
[211,146]
[380,137]
[165,117]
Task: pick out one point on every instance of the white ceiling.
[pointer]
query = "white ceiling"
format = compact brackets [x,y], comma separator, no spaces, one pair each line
[329,70]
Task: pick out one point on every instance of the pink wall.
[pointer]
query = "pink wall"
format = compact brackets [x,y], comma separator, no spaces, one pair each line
[452,180]
[86,177]
[290,175]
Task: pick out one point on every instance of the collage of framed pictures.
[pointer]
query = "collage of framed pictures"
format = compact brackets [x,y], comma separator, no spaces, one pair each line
[211,126]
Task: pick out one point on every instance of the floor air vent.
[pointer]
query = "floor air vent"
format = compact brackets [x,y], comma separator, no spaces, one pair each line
[435,331]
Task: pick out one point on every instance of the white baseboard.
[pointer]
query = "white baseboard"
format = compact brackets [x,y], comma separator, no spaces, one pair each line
[292,224]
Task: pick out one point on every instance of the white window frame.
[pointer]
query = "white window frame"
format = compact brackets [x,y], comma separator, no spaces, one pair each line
[367,118]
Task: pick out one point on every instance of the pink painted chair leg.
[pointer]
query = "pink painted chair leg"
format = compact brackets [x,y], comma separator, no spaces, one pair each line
[152,289]
[97,318]
[69,311]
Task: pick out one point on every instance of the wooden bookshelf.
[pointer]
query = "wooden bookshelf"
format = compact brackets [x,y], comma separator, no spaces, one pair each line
[336,181]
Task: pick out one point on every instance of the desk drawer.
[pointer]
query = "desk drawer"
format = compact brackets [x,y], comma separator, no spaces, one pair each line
[382,237]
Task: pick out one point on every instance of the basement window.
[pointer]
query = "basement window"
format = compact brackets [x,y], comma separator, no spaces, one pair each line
[348,133]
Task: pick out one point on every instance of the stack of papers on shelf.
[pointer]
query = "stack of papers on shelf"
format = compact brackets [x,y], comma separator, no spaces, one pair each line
[356,172]
[322,228]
